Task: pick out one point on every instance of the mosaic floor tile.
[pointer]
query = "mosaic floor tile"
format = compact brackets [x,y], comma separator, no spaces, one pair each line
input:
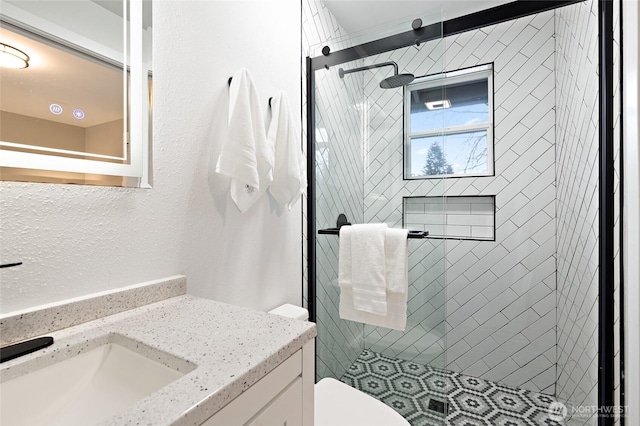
[420,393]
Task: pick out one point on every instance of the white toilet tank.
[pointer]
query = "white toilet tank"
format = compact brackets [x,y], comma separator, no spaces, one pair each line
[339,404]
[291,311]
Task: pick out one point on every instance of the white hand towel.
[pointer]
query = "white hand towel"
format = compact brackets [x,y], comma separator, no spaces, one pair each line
[396,260]
[395,250]
[396,317]
[368,279]
[396,270]
[247,155]
[344,258]
[289,168]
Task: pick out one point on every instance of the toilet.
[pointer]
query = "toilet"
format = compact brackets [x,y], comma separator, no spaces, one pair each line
[338,404]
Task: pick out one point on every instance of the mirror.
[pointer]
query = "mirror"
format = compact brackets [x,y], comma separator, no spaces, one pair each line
[78,109]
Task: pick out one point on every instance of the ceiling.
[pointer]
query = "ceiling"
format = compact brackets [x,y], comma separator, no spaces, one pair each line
[358,16]
[74,78]
[115,7]
[61,76]
[57,76]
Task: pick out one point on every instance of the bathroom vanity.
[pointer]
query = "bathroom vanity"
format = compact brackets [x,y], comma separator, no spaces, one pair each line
[225,365]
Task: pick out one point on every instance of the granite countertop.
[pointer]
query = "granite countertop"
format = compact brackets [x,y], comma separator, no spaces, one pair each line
[231,348]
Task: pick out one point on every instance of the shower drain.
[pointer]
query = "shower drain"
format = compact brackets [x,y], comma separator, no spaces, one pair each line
[438,406]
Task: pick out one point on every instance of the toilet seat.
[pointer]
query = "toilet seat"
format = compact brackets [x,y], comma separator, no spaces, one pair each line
[338,404]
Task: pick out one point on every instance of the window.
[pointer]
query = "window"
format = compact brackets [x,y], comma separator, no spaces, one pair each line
[449,124]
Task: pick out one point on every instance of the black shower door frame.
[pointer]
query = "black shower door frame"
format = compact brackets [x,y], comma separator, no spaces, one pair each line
[496,15]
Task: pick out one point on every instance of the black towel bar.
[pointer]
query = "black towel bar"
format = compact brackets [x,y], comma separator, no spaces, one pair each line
[411,234]
[342,221]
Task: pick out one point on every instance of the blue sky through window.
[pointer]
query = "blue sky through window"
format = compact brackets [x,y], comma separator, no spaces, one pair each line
[466,153]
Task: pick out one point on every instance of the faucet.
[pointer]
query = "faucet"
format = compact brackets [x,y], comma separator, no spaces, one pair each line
[9,265]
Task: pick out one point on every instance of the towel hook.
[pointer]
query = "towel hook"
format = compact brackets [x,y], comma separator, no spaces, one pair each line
[229,83]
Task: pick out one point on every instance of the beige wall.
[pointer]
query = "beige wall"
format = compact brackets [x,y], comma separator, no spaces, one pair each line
[36,131]
[101,139]
[104,139]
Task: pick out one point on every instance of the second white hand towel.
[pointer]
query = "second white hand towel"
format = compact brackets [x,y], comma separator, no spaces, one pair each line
[396,260]
[396,273]
[368,278]
[247,154]
[289,167]
[395,250]
[344,258]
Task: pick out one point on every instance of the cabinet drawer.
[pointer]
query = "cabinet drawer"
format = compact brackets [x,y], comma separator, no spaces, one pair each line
[256,399]
[284,410]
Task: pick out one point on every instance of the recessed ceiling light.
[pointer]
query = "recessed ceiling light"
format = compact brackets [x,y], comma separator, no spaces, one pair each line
[55,109]
[431,106]
[78,113]
[10,57]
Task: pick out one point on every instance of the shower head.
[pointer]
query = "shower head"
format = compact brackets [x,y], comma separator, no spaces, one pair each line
[396,80]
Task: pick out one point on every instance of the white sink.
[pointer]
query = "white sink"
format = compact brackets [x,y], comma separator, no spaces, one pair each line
[84,389]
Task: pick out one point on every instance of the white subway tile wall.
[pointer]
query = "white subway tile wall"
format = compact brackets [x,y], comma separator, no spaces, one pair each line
[577,204]
[486,281]
[497,309]
[466,218]
[339,175]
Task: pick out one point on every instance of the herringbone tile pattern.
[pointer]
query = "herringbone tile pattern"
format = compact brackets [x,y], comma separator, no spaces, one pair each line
[339,184]
[497,313]
[497,316]
[577,176]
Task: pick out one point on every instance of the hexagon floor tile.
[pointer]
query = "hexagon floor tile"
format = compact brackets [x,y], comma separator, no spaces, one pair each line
[417,391]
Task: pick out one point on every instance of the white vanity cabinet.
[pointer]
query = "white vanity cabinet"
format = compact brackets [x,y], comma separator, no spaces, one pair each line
[282,397]
[269,382]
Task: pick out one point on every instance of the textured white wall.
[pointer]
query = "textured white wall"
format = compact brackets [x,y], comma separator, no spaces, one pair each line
[76,240]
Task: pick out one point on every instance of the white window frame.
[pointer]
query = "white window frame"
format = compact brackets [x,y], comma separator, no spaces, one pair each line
[444,80]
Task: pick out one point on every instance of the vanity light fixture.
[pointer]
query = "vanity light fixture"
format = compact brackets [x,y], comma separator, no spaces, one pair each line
[443,104]
[10,57]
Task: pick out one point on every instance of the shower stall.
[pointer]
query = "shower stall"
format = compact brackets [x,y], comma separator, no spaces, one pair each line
[482,135]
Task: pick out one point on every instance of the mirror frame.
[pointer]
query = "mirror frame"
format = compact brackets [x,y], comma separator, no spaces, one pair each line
[140,109]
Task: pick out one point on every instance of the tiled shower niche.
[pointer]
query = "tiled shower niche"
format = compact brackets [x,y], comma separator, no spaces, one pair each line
[462,218]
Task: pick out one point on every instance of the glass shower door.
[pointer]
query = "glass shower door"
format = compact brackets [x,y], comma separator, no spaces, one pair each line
[338,178]
[405,367]
[360,152]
